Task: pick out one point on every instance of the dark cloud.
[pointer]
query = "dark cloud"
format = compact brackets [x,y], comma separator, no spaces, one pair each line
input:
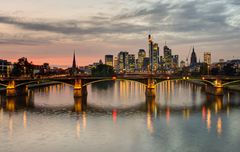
[99,26]
[207,20]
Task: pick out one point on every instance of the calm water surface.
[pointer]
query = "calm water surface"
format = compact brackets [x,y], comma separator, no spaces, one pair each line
[116,116]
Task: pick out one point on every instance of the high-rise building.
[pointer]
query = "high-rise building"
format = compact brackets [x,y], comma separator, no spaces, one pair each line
[207,57]
[5,68]
[193,58]
[131,62]
[115,63]
[141,56]
[109,60]
[155,56]
[175,61]
[167,55]
[146,65]
[122,61]
[150,45]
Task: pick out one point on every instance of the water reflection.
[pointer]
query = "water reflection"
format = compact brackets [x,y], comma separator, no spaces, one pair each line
[120,109]
[13,104]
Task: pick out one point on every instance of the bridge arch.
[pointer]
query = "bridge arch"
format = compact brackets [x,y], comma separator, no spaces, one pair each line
[110,79]
[31,82]
[3,85]
[232,82]
[181,79]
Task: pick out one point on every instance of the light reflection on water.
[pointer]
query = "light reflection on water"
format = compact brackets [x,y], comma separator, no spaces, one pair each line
[116,116]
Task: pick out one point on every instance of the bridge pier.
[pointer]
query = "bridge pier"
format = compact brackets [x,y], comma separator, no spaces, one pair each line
[150,88]
[213,90]
[19,91]
[79,89]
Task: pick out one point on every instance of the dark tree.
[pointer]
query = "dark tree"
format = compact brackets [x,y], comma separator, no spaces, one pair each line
[215,71]
[229,69]
[102,70]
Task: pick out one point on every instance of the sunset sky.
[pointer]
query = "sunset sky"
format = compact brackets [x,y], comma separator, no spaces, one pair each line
[50,30]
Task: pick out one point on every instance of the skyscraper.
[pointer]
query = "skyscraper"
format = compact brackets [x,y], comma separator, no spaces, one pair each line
[122,61]
[141,56]
[131,62]
[207,57]
[155,56]
[150,44]
[146,64]
[167,55]
[109,60]
[193,58]
[115,63]
[175,61]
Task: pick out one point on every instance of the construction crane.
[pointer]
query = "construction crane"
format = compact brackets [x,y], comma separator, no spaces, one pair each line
[188,56]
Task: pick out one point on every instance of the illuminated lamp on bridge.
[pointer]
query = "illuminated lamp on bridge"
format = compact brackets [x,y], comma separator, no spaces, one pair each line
[203,78]
[114,78]
[168,78]
[218,84]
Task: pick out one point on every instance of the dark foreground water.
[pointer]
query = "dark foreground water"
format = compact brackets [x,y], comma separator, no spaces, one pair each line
[117,117]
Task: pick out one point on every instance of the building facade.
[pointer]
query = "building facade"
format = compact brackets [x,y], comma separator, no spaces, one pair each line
[109,60]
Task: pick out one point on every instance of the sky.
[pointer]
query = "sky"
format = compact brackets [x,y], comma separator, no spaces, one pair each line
[50,30]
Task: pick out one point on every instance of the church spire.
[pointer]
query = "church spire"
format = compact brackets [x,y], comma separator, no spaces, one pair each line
[74,61]
[74,65]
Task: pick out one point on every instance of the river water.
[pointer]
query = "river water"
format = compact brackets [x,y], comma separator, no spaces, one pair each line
[116,116]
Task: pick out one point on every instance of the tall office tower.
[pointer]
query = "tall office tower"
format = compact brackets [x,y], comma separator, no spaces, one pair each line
[109,60]
[115,63]
[175,61]
[122,61]
[167,55]
[150,45]
[141,56]
[155,56]
[193,58]
[131,62]
[207,57]
[146,65]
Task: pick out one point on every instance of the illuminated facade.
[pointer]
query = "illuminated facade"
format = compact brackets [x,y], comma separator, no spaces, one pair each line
[122,61]
[207,57]
[109,60]
[167,57]
[5,68]
[155,56]
[115,63]
[150,45]
[131,62]
[141,56]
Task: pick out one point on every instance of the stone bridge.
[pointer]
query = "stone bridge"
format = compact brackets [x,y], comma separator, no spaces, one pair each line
[213,84]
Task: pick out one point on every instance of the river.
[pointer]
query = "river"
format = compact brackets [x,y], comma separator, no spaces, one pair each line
[116,116]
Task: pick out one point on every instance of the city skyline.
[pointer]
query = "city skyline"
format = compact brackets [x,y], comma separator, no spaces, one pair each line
[42,34]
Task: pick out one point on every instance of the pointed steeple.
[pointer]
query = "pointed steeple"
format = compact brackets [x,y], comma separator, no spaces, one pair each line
[193,58]
[74,65]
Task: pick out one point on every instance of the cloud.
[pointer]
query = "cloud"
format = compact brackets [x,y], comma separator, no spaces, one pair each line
[180,21]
